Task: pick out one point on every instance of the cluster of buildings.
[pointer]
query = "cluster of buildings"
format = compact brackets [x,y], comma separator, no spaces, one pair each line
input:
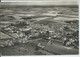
[22,31]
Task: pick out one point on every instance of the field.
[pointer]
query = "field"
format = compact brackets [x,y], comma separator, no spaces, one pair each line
[39,20]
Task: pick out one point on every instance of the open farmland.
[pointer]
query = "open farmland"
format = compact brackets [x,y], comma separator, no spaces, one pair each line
[39,30]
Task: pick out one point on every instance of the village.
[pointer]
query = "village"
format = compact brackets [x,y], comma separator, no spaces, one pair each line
[43,31]
[22,31]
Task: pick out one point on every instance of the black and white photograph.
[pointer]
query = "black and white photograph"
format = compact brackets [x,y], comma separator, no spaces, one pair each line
[39,27]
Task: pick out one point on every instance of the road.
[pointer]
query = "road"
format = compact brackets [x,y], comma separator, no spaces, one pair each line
[54,48]
[57,48]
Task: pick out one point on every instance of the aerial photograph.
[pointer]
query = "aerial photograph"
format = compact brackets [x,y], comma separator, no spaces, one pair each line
[39,27]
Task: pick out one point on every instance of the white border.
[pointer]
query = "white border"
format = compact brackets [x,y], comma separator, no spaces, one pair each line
[50,55]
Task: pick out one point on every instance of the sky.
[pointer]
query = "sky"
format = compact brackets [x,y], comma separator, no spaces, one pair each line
[40,2]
